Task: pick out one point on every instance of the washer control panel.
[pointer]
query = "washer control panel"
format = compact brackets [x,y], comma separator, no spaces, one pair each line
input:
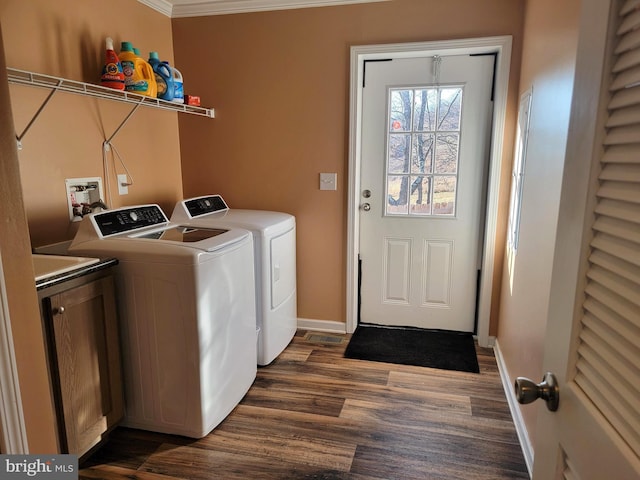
[127,219]
[205,205]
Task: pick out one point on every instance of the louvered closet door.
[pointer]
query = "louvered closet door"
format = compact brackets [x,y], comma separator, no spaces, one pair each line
[593,333]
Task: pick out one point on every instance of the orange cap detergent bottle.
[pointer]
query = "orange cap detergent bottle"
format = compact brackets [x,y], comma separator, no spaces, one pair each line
[112,74]
[138,74]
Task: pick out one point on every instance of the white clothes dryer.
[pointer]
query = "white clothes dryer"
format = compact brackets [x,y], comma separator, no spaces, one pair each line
[274,240]
[188,320]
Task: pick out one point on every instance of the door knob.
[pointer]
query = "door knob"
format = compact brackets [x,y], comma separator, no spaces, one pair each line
[58,310]
[366,207]
[527,391]
[366,193]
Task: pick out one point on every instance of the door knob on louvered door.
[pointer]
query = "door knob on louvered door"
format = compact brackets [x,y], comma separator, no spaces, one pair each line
[527,391]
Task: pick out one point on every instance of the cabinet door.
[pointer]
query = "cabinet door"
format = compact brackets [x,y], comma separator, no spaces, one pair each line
[88,357]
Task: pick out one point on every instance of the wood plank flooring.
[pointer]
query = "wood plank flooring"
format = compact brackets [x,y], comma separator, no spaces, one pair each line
[313,414]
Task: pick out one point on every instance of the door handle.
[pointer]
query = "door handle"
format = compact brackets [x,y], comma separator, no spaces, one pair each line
[58,310]
[527,391]
[366,207]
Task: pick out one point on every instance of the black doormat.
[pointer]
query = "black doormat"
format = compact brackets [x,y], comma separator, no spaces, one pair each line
[443,349]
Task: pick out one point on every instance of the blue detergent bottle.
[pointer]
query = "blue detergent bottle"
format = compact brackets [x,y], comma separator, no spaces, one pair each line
[164,76]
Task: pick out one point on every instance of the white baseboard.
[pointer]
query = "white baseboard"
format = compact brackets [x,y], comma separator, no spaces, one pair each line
[491,341]
[516,414]
[322,325]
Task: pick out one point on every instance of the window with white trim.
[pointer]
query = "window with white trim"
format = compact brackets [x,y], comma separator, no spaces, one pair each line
[517,176]
[423,150]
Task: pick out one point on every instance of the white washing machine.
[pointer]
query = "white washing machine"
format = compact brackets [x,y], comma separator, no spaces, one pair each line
[188,320]
[274,239]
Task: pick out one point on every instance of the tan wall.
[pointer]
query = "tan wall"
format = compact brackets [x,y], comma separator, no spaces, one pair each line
[21,297]
[548,65]
[66,38]
[279,82]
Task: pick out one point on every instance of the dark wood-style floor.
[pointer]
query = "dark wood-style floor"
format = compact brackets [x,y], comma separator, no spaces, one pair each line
[313,414]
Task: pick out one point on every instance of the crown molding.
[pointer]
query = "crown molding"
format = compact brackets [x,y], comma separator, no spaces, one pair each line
[199,8]
[162,6]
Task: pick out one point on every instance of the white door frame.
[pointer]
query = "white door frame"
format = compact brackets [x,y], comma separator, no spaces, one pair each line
[500,45]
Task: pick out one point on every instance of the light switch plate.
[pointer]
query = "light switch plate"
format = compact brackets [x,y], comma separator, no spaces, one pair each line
[328,181]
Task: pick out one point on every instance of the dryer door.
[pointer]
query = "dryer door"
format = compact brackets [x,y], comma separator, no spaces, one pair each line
[283,268]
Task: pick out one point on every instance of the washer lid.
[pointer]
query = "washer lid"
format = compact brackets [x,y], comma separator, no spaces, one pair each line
[145,229]
[180,234]
[200,238]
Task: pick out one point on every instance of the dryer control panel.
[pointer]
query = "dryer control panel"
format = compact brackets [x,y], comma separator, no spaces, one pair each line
[127,219]
[205,205]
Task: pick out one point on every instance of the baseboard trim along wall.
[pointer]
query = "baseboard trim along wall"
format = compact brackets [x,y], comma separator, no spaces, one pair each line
[521,428]
[491,341]
[322,325]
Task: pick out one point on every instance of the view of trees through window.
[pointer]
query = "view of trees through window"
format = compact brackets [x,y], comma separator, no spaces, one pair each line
[422,150]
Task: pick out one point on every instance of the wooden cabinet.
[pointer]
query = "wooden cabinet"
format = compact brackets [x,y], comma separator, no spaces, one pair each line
[81,323]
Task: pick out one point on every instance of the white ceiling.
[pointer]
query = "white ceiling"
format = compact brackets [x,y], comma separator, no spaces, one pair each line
[198,8]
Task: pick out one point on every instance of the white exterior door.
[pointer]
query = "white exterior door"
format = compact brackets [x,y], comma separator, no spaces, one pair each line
[593,332]
[425,131]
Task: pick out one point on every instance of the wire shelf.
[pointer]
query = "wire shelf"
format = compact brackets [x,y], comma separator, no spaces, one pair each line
[23,77]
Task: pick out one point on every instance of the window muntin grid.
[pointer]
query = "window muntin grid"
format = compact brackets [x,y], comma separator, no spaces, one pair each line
[423,150]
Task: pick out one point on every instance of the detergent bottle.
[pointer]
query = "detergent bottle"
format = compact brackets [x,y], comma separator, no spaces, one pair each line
[178,91]
[112,75]
[138,74]
[164,76]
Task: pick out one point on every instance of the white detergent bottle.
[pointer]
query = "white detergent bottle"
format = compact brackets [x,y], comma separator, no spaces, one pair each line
[178,92]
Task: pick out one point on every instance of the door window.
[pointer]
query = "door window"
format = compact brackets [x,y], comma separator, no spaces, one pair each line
[423,146]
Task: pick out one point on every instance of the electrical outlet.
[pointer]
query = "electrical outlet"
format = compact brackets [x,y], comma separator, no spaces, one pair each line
[123,188]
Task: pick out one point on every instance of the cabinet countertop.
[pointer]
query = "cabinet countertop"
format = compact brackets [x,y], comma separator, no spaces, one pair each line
[79,272]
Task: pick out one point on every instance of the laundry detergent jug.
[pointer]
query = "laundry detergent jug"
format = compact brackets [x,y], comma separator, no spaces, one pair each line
[178,92]
[138,74]
[164,76]
[112,74]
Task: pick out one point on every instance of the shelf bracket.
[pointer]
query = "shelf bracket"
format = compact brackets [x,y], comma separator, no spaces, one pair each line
[126,119]
[35,116]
